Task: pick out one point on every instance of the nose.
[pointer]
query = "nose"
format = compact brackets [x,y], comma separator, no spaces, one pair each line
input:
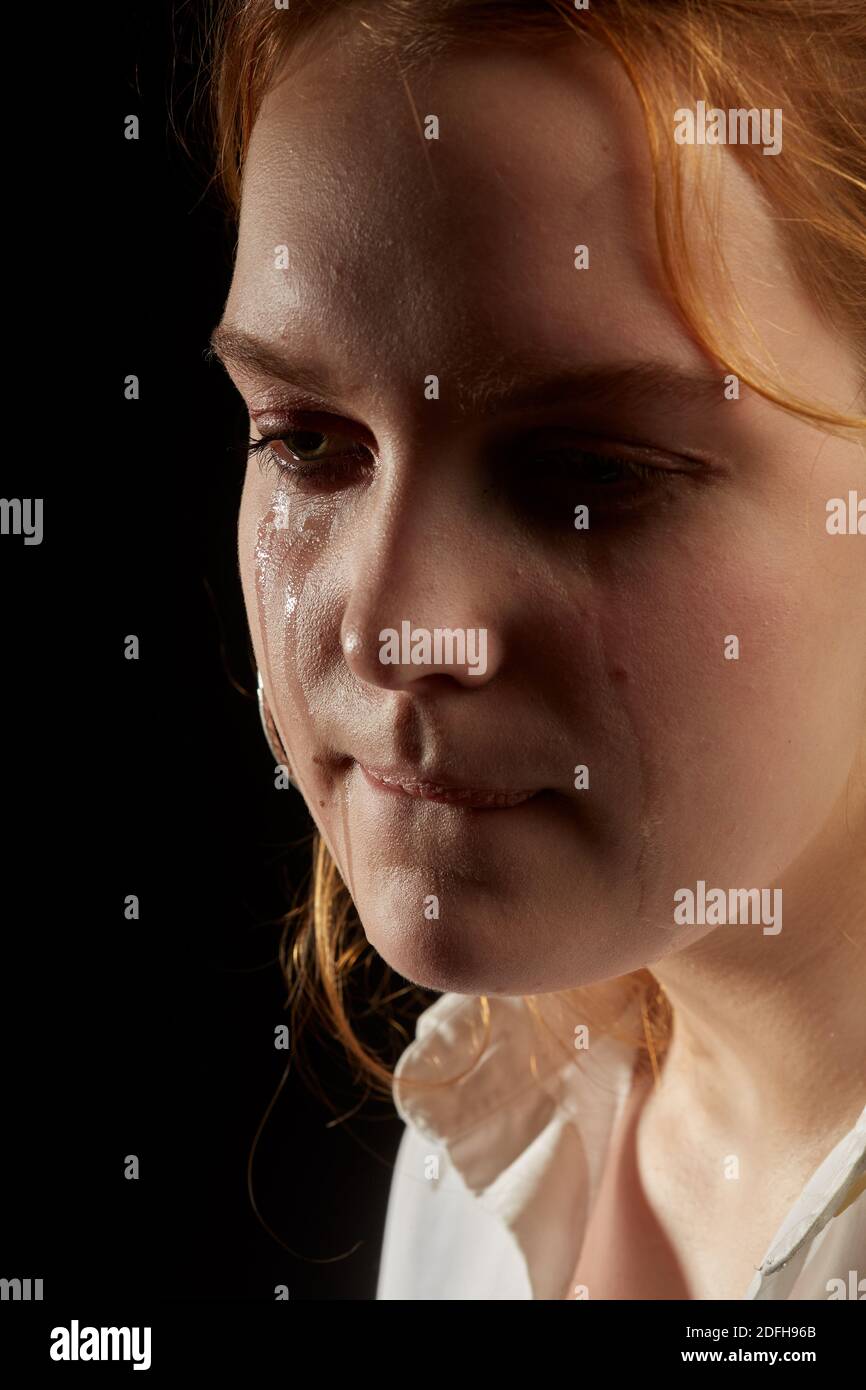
[426,589]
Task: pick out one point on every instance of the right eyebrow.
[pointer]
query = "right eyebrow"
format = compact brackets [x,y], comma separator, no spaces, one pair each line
[515,384]
[241,349]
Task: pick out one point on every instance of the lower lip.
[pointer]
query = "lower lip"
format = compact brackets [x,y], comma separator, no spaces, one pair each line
[467,799]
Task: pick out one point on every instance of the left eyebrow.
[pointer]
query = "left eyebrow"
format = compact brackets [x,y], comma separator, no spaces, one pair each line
[594,384]
[510,385]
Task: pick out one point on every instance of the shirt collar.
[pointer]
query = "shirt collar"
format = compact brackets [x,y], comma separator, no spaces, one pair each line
[529,1126]
[834,1186]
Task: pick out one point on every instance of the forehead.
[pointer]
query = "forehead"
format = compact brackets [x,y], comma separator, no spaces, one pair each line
[403,250]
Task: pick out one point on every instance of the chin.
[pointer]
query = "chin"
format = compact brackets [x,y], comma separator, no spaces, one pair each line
[466,950]
[474,953]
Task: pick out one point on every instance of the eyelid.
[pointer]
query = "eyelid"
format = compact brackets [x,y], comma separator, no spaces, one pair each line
[577,442]
[273,423]
[284,400]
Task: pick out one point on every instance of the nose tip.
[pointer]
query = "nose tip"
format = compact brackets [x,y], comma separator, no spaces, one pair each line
[361,653]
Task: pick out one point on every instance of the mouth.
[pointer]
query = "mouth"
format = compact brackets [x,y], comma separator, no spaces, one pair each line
[449,794]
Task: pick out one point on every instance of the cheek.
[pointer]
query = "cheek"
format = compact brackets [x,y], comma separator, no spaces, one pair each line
[279,544]
[267,551]
[734,689]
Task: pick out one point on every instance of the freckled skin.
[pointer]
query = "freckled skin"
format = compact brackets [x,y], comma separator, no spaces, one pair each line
[409,258]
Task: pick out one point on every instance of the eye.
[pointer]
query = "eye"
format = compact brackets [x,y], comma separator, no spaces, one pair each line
[549,472]
[309,446]
[325,457]
[587,470]
[610,470]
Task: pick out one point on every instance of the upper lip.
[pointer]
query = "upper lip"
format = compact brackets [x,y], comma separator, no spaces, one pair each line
[435,786]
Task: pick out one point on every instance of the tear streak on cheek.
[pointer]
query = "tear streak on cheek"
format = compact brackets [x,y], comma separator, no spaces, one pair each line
[285,550]
[616,660]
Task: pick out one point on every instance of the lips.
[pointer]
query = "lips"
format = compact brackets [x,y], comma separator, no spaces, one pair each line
[449,794]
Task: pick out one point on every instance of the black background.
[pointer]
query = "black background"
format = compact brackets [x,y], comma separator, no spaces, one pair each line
[152,1037]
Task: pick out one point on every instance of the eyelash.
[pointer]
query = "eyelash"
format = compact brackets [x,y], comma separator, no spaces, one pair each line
[269,462]
[646,474]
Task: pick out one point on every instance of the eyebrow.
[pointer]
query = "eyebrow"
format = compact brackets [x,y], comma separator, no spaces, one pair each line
[509,384]
[233,345]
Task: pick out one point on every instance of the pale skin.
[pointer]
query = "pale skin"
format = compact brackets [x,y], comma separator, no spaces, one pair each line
[455,258]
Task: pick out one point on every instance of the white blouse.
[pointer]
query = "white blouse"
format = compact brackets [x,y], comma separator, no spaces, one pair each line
[497,1173]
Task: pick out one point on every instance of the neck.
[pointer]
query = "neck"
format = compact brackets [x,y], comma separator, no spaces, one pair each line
[771,1028]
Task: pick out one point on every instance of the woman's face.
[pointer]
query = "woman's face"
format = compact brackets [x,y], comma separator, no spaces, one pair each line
[372,260]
